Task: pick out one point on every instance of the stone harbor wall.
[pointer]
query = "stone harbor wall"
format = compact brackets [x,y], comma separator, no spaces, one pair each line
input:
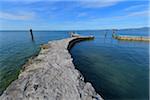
[51,76]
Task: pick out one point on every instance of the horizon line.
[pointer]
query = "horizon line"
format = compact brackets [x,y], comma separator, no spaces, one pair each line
[74,29]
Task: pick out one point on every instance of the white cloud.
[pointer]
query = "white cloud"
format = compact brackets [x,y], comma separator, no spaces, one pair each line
[32,1]
[21,0]
[82,14]
[135,7]
[114,18]
[12,16]
[136,14]
[139,13]
[99,3]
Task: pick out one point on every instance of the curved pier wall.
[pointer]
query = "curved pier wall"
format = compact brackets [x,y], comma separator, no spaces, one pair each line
[51,76]
[76,40]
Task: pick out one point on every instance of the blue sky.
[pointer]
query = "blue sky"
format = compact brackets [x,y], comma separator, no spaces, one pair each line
[72,14]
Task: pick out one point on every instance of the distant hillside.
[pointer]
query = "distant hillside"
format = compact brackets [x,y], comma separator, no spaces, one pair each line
[142,28]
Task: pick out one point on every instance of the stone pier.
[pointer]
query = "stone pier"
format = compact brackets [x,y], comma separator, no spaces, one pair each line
[51,76]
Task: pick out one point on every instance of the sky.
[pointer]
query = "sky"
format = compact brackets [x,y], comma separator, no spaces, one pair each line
[73,14]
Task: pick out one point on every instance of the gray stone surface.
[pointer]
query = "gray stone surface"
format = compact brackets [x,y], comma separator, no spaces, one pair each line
[51,76]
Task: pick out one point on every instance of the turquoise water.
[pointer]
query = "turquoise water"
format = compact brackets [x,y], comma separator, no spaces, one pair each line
[117,69]
[16,47]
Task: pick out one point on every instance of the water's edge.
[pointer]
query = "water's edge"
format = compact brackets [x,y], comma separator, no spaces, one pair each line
[83,87]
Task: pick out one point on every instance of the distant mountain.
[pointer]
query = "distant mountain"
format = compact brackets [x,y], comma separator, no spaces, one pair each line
[142,28]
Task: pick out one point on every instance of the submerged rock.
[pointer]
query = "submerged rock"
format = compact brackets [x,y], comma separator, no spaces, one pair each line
[51,76]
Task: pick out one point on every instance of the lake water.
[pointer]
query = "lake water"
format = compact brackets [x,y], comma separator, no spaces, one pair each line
[16,47]
[117,69]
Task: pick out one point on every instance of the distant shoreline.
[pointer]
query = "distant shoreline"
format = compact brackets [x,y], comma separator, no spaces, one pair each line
[84,29]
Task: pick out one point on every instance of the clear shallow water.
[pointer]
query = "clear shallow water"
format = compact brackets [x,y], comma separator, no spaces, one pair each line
[16,47]
[117,69]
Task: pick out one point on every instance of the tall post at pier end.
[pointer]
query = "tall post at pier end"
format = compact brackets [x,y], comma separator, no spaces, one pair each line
[114,31]
[31,34]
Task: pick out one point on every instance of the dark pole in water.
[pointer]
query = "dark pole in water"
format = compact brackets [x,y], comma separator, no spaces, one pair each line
[113,31]
[31,35]
[105,34]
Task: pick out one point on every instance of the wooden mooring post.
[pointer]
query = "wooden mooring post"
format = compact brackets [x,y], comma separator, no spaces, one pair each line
[31,34]
[114,31]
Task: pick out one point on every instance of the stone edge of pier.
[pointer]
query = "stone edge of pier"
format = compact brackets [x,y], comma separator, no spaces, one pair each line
[40,79]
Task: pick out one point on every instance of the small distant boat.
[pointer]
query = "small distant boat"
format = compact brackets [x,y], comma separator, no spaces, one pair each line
[73,34]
